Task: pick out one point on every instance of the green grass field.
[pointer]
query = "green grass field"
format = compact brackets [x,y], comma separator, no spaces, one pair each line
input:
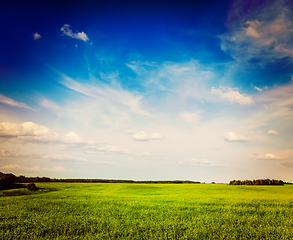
[147,211]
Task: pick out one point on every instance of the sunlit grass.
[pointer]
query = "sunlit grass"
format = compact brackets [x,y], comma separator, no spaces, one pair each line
[148,211]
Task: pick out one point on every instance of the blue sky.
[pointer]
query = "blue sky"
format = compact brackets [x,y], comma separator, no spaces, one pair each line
[198,90]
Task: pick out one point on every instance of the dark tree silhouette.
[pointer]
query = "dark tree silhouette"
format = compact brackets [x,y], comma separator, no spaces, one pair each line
[257,182]
[32,187]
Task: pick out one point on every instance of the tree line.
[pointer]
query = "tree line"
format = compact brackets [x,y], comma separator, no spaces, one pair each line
[8,180]
[121,181]
[257,182]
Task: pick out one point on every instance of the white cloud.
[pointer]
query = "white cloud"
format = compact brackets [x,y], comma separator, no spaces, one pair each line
[269,156]
[143,136]
[11,102]
[31,129]
[36,36]
[272,132]
[202,162]
[82,36]
[72,137]
[189,117]
[232,95]
[233,137]
[78,35]
[34,133]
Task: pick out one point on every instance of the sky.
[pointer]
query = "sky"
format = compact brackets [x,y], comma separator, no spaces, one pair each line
[147,90]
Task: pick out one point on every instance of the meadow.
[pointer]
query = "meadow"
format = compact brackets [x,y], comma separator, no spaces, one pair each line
[147,211]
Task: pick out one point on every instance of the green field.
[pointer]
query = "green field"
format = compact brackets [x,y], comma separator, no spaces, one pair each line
[147,211]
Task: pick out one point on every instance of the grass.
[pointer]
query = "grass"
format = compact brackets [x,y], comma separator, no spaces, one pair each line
[147,211]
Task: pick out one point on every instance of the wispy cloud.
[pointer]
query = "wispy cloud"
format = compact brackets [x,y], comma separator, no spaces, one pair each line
[202,162]
[185,79]
[146,153]
[286,164]
[78,35]
[104,148]
[277,105]
[263,32]
[63,158]
[16,166]
[189,117]
[50,104]
[13,153]
[36,168]
[112,96]
[108,163]
[13,103]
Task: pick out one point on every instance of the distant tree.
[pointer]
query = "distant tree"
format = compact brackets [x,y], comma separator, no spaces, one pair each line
[32,187]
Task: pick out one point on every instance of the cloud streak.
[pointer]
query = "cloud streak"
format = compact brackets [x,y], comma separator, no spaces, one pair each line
[13,153]
[113,97]
[189,117]
[36,168]
[270,156]
[64,158]
[202,163]
[13,103]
